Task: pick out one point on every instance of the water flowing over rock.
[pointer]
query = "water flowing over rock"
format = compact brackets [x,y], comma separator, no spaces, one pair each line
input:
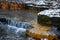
[15,29]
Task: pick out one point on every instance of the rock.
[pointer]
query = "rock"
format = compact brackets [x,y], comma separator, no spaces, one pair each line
[49,17]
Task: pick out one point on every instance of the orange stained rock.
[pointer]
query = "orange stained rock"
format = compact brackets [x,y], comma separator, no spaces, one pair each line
[40,31]
[21,6]
[4,5]
[42,34]
[14,6]
[11,5]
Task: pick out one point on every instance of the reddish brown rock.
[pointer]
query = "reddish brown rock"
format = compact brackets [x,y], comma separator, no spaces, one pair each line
[4,5]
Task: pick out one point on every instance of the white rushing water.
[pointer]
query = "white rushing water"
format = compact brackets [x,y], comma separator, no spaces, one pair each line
[16,28]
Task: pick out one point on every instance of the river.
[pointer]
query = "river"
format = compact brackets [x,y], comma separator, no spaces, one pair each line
[19,15]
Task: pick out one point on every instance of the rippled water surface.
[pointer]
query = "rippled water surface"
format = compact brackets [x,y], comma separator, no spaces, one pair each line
[22,15]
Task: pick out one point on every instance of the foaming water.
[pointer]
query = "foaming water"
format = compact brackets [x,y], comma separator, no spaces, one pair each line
[16,28]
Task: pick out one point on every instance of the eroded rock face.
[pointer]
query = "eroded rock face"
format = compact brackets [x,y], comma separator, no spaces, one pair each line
[20,4]
[51,16]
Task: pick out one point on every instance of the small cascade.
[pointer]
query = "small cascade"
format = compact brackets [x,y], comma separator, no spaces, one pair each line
[14,28]
[20,24]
